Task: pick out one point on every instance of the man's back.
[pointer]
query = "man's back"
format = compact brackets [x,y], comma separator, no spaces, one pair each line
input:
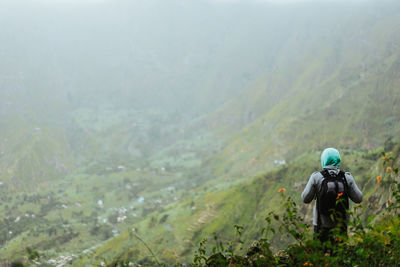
[323,224]
[314,186]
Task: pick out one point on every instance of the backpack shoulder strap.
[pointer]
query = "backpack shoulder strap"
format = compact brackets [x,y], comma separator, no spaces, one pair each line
[325,175]
[342,175]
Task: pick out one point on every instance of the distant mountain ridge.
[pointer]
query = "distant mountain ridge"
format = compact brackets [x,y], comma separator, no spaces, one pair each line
[342,94]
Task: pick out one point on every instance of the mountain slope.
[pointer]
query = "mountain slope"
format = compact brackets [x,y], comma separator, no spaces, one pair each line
[246,203]
[77,176]
[338,92]
[346,103]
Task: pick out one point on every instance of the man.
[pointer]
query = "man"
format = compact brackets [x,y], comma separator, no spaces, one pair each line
[331,188]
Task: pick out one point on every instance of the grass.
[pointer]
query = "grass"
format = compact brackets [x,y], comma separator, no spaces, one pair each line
[246,203]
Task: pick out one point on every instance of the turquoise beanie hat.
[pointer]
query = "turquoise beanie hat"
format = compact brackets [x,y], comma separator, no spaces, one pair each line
[330,157]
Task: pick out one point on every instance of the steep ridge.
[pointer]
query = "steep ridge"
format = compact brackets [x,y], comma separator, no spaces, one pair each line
[345,103]
[32,156]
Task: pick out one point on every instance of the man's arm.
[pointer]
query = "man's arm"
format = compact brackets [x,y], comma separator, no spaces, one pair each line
[309,192]
[354,193]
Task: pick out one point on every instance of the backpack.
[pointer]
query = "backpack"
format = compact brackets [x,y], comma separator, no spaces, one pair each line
[332,198]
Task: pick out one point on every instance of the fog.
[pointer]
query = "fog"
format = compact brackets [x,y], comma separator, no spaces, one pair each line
[118,115]
[159,53]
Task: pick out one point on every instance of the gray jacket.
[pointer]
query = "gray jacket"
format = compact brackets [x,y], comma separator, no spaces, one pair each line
[314,185]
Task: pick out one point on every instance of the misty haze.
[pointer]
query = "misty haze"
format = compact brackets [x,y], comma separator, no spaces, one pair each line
[130,131]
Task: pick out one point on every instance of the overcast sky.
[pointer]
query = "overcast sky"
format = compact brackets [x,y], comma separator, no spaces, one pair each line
[220,1]
[268,2]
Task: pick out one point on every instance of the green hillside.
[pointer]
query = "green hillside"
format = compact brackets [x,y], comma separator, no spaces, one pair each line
[181,131]
[323,99]
[247,204]
[344,104]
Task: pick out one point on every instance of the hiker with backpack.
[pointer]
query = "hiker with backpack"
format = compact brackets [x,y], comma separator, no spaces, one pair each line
[332,189]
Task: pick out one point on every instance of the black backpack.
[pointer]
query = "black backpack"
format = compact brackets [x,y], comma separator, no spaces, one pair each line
[332,198]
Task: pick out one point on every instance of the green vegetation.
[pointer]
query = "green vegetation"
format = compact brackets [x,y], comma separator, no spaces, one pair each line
[373,240]
[132,150]
[373,229]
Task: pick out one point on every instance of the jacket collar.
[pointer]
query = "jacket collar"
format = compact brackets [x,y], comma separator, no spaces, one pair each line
[331,167]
